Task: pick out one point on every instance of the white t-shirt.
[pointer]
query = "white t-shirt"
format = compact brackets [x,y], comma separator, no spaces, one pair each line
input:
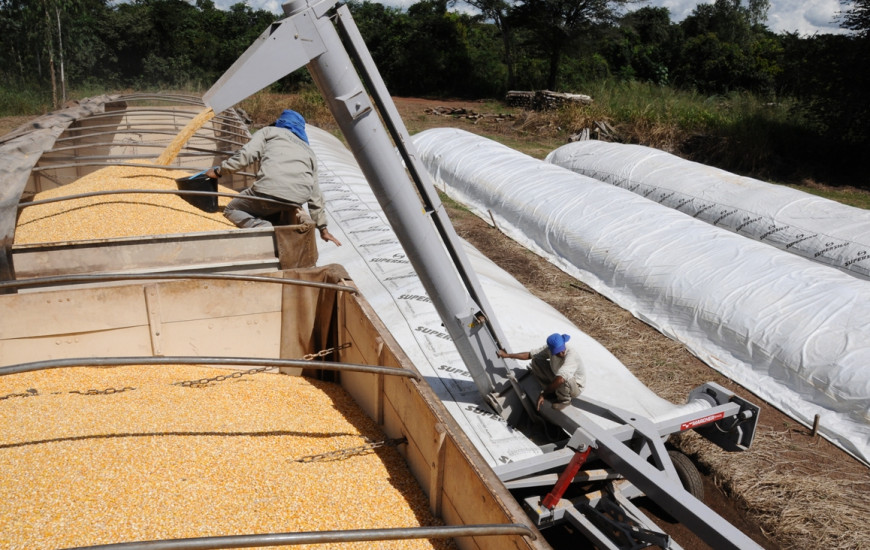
[570,366]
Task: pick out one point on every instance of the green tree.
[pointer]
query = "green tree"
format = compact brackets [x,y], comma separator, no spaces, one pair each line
[727,48]
[38,39]
[644,45]
[489,76]
[498,11]
[22,27]
[857,17]
[558,25]
[90,58]
[830,75]
[757,12]
[142,43]
[852,96]
[429,50]
[726,19]
[436,59]
[711,65]
[385,30]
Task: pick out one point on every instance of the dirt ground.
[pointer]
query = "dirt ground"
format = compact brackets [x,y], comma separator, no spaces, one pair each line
[790,490]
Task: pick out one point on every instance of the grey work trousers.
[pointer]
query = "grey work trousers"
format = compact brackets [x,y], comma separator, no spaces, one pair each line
[246,212]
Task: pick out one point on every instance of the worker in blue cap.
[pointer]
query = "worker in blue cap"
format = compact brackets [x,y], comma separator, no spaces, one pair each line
[557,367]
[287,176]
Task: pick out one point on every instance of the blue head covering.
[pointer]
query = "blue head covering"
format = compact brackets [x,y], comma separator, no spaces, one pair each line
[294,122]
[556,342]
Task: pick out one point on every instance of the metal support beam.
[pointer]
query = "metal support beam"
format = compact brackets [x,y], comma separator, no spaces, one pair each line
[106,277]
[663,489]
[320,537]
[197,360]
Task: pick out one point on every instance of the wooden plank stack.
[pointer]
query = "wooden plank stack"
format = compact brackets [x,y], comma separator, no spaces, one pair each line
[544,100]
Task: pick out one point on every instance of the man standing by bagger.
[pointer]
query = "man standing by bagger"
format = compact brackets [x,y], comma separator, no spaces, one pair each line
[288,174]
[557,367]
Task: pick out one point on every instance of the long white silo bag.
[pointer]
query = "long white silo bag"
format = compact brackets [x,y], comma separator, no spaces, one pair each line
[820,229]
[791,330]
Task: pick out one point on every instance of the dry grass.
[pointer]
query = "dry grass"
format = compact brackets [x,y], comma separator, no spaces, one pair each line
[10,123]
[265,107]
[796,493]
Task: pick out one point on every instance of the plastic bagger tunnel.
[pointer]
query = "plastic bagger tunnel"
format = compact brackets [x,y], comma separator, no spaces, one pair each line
[376,262]
[820,229]
[786,328]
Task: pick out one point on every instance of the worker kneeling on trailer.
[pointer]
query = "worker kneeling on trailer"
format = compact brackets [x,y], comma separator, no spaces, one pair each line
[558,369]
[287,176]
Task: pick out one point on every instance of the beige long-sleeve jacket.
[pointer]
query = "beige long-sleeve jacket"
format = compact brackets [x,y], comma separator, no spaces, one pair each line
[288,169]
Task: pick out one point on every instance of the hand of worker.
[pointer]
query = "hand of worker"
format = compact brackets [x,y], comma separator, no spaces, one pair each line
[213,172]
[502,353]
[540,401]
[327,236]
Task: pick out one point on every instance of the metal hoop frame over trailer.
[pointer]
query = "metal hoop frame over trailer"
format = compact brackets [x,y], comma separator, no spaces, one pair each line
[72,145]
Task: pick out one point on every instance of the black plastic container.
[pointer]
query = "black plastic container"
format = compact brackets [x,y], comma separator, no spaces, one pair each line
[200,182]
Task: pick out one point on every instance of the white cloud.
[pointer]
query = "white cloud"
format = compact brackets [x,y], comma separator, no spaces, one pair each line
[273,6]
[679,8]
[803,16]
[806,17]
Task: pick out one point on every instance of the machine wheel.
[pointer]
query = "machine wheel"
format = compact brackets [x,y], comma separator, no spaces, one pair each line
[688,473]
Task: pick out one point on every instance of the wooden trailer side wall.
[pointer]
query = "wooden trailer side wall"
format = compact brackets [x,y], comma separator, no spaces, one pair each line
[461,488]
[223,318]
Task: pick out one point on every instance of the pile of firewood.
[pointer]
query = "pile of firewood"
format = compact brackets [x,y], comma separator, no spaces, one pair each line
[544,100]
[601,131]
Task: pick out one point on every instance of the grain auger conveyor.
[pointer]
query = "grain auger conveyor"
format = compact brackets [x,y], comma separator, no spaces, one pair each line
[603,455]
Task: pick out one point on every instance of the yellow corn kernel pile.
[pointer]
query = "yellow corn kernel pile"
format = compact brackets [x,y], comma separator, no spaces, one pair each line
[123,215]
[171,151]
[164,461]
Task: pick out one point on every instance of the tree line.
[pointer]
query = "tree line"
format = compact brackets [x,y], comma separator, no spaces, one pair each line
[460,48]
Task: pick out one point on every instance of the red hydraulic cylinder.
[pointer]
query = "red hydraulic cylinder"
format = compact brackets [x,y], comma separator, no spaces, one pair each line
[555,495]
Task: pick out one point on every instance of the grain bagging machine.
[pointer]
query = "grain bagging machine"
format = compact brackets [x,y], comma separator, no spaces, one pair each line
[627,449]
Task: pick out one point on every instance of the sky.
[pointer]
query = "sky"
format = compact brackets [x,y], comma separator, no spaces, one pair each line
[805,17]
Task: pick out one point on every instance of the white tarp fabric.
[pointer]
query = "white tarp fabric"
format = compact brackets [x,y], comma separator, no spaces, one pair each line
[822,230]
[373,257]
[20,150]
[790,330]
